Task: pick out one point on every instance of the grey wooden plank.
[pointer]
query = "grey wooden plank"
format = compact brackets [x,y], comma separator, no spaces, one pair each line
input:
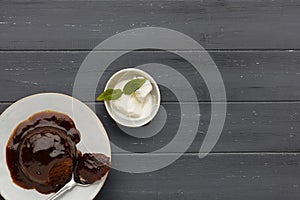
[218,176]
[247,76]
[213,23]
[249,127]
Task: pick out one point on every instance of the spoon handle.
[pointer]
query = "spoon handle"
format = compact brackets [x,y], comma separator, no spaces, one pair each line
[64,189]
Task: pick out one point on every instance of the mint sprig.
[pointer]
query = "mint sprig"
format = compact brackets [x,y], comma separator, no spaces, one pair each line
[133,85]
[110,94]
[129,88]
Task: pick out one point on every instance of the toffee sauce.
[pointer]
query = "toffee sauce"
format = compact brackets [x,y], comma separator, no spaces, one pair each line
[41,152]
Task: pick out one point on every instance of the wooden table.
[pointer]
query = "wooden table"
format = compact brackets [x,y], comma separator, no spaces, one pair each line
[255,45]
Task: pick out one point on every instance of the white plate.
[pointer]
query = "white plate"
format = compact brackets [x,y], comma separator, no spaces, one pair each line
[93,139]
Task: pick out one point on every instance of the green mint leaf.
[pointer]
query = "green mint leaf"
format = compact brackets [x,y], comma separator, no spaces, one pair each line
[133,85]
[110,94]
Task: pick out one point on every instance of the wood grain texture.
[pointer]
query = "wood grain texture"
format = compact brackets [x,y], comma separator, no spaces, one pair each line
[249,127]
[216,24]
[218,176]
[247,76]
[255,45]
[223,177]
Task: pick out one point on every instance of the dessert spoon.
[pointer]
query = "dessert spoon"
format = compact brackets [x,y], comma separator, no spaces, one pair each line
[72,183]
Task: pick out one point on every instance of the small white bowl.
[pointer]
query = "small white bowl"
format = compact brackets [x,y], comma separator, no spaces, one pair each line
[129,73]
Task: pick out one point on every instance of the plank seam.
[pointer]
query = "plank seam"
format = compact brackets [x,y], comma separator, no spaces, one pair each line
[144,50]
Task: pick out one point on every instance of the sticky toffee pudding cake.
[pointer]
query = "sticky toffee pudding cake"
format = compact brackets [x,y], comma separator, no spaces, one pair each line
[41,154]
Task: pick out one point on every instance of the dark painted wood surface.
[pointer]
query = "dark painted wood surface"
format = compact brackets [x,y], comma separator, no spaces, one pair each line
[255,45]
[217,24]
[219,176]
[248,76]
